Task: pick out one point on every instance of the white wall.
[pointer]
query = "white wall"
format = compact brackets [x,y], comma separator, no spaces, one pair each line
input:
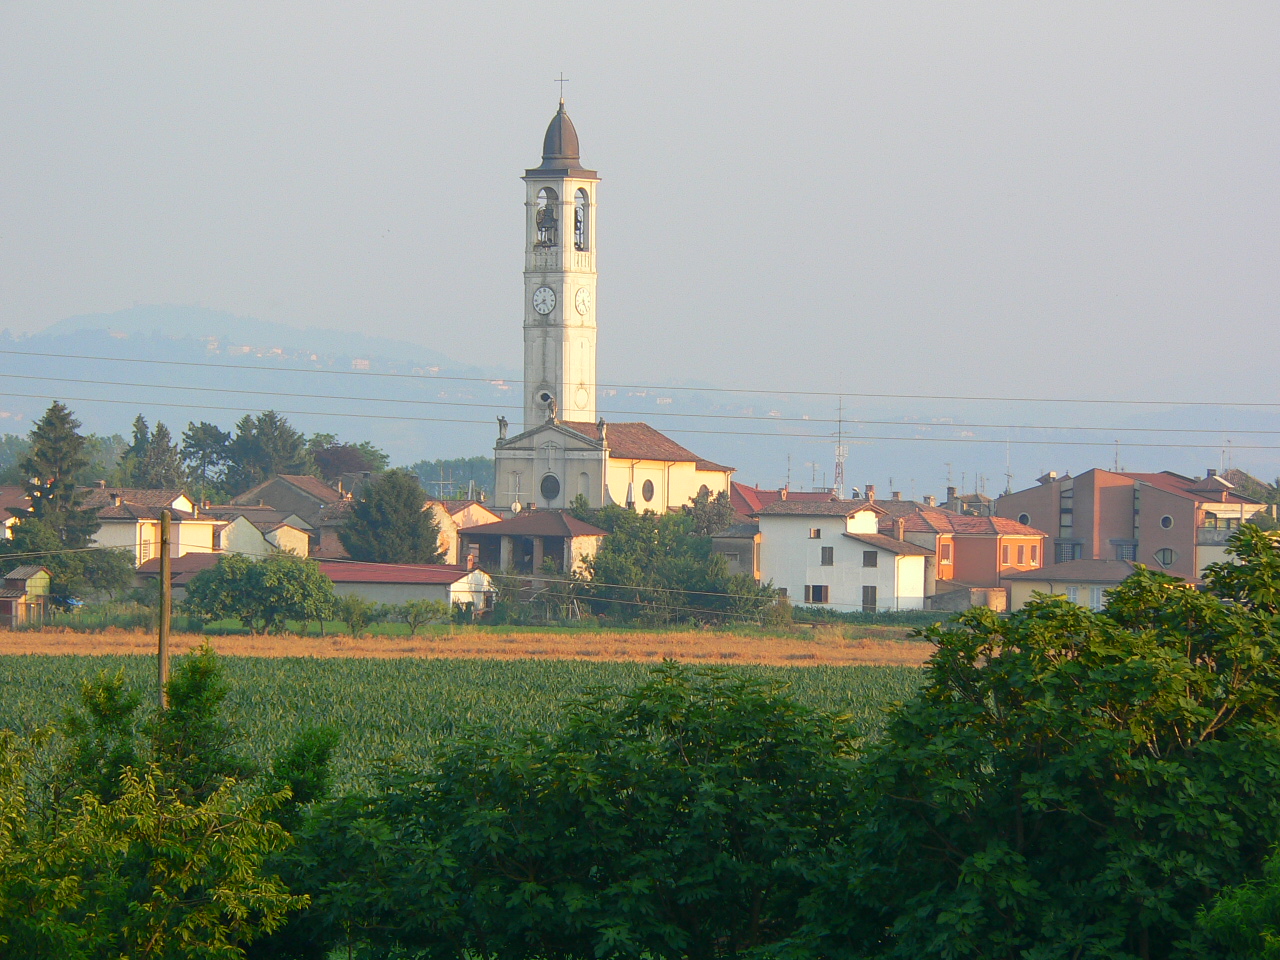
[791,558]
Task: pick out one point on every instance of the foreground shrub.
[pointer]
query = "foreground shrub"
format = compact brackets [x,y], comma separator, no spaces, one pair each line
[1068,783]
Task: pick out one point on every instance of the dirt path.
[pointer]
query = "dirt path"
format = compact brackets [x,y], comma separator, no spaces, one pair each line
[824,647]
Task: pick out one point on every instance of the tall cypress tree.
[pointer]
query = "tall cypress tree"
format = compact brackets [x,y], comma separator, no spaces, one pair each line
[57,453]
[161,467]
[388,525]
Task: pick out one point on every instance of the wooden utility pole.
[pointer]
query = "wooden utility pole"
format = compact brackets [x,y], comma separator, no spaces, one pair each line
[166,605]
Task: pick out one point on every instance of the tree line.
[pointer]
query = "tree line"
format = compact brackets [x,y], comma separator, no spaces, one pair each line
[1067,783]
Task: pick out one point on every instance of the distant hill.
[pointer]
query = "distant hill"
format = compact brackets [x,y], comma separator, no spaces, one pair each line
[241,364]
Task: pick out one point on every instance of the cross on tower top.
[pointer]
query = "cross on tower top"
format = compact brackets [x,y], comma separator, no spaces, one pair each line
[562,80]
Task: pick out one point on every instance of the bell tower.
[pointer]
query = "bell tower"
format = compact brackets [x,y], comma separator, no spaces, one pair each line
[560,281]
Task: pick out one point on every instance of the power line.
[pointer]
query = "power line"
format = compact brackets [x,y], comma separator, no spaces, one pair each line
[654,387]
[685,430]
[239,391]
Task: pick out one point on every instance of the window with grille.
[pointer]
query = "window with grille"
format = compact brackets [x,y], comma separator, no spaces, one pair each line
[870,558]
[828,556]
[1067,551]
[1127,551]
[869,600]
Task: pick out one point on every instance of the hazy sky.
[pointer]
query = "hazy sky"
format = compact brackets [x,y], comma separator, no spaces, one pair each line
[1074,199]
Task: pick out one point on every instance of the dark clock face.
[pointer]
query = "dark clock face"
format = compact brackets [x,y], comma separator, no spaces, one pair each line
[544,300]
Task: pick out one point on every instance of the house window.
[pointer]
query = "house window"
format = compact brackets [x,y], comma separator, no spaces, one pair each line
[1165,557]
[828,556]
[945,549]
[1022,553]
[1166,521]
[646,490]
[870,558]
[733,557]
[782,591]
[550,487]
[1095,598]
[1004,554]
[1067,551]
[1035,553]
[1024,518]
[816,593]
[1127,551]
[1073,594]
[869,600]
[815,533]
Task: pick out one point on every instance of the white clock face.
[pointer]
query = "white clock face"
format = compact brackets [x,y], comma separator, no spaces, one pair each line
[544,300]
[582,300]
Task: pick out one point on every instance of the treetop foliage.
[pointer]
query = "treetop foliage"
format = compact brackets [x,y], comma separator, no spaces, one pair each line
[388,525]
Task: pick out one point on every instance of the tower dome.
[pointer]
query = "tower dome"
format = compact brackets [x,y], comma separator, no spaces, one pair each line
[560,152]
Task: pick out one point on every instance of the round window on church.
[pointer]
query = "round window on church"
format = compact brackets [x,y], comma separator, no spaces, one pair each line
[647,491]
[550,487]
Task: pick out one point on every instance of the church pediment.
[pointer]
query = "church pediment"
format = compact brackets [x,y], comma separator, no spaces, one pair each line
[551,431]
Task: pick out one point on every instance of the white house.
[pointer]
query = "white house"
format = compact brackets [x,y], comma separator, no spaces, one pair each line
[830,554]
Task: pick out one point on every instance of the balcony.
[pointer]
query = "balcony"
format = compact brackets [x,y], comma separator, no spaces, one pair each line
[1213,536]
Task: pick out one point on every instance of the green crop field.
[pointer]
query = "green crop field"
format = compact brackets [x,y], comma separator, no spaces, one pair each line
[398,710]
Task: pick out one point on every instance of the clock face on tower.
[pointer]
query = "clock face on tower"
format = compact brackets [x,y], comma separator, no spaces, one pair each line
[544,300]
[582,300]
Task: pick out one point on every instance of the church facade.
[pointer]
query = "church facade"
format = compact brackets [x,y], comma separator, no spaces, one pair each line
[564,449]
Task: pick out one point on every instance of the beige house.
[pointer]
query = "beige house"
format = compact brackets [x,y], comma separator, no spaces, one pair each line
[454,515]
[12,499]
[1081,581]
[131,521]
[23,595]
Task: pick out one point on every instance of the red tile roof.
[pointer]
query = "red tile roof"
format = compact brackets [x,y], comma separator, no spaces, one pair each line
[537,523]
[817,508]
[749,500]
[1079,571]
[343,571]
[901,547]
[1186,487]
[917,518]
[639,441]
[13,498]
[314,487]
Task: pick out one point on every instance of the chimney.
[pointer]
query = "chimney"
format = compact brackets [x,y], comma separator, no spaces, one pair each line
[115,499]
[782,493]
[930,500]
[895,494]
[899,528]
[471,560]
[871,492]
[951,494]
[1210,473]
[531,505]
[101,484]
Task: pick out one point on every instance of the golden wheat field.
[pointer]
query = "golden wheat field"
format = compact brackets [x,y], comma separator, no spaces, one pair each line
[826,646]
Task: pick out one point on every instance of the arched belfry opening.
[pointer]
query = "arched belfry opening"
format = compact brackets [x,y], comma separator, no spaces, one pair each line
[581,220]
[546,218]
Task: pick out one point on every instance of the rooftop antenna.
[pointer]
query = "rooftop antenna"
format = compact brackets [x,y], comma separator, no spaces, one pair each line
[813,474]
[788,471]
[842,451]
[948,474]
[562,80]
[1008,470]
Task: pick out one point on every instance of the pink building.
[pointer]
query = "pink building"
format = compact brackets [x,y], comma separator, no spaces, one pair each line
[1164,520]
